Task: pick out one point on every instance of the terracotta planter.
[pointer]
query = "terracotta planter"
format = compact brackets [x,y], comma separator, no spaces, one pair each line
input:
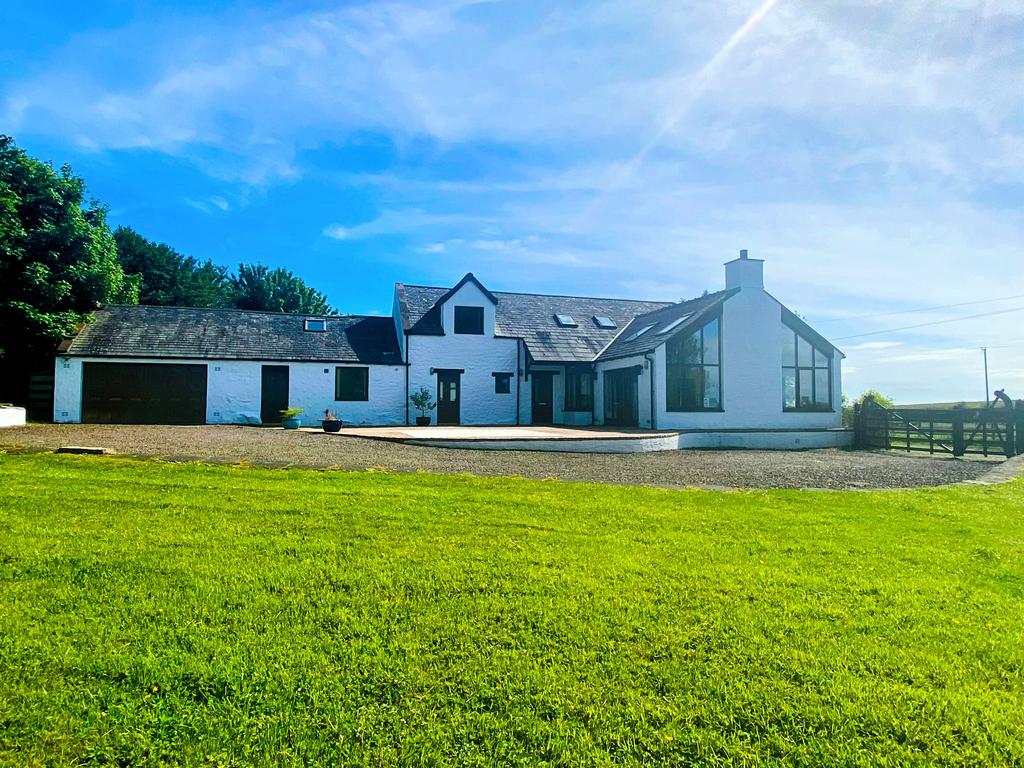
[422,421]
[331,425]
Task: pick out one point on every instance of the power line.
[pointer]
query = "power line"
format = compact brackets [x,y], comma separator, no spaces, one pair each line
[921,309]
[934,322]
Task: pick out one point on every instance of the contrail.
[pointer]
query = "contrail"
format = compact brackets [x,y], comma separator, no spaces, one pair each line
[698,84]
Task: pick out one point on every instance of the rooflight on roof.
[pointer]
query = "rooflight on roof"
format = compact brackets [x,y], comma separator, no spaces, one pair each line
[604,322]
[315,324]
[675,323]
[565,321]
[641,332]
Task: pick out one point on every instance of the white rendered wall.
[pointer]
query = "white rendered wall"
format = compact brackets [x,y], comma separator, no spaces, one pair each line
[559,414]
[752,331]
[478,356]
[233,390]
[643,388]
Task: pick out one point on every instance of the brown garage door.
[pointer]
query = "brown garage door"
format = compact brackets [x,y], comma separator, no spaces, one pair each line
[143,393]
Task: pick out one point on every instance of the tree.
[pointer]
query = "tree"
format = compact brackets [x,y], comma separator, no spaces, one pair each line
[259,287]
[169,278]
[58,262]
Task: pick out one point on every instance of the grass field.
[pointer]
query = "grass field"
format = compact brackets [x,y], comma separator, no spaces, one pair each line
[155,613]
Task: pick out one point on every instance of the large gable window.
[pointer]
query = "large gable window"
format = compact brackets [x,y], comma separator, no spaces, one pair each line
[578,390]
[693,370]
[351,383]
[469,320]
[806,374]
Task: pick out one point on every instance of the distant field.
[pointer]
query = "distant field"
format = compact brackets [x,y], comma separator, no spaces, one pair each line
[947,406]
[171,613]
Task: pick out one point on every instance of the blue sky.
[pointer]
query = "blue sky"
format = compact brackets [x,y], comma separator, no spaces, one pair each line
[871,152]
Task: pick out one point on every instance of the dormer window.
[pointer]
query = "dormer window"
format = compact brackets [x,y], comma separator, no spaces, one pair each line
[315,324]
[602,321]
[565,321]
[469,320]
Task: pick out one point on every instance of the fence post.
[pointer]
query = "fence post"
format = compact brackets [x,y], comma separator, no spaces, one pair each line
[959,448]
[858,426]
[1018,412]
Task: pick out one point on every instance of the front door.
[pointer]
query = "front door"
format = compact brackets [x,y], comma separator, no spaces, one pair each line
[449,397]
[620,398]
[543,390]
[274,393]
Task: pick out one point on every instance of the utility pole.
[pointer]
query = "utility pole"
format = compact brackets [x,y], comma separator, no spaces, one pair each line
[984,352]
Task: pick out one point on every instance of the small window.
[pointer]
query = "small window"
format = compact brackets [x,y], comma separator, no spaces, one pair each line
[641,332]
[469,320]
[604,322]
[502,383]
[318,325]
[351,383]
[675,323]
[565,321]
[578,390]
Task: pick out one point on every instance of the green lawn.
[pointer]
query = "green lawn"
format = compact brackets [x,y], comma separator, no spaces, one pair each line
[218,615]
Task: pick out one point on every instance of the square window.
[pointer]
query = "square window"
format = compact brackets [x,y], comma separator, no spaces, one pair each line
[469,320]
[318,325]
[351,383]
[502,383]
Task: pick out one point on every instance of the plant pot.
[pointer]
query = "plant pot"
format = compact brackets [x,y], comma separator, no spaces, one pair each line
[331,425]
[291,423]
[422,421]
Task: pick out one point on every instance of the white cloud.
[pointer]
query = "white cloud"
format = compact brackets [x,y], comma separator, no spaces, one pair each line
[336,232]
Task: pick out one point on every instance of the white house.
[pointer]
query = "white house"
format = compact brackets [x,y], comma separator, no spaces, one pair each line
[734,367]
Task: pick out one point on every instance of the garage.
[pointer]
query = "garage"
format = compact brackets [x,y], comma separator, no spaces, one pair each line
[143,393]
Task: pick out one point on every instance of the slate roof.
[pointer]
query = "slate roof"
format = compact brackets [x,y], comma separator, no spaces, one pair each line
[532,317]
[233,334]
[693,314]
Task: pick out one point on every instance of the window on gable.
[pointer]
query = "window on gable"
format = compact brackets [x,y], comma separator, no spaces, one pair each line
[565,321]
[469,320]
[693,370]
[806,374]
[578,389]
[317,324]
[502,383]
[601,321]
[351,383]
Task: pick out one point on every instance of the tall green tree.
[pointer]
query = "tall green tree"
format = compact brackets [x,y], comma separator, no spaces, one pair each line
[58,262]
[276,290]
[169,278]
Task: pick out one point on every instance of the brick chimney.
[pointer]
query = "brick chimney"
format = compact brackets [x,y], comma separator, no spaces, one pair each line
[744,272]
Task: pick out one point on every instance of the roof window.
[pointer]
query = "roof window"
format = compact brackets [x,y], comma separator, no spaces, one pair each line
[315,324]
[675,323]
[641,332]
[604,322]
[565,321]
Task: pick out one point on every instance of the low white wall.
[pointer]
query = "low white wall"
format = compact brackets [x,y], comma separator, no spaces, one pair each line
[769,440]
[591,445]
[233,390]
[12,416]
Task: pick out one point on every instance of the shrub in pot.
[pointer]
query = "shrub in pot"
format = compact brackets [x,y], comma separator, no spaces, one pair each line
[424,403]
[330,423]
[290,418]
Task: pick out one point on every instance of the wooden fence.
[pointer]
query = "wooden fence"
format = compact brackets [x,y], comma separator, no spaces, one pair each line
[993,431]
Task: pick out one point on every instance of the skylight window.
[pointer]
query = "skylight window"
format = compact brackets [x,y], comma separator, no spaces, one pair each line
[675,323]
[317,324]
[565,321]
[641,332]
[604,322]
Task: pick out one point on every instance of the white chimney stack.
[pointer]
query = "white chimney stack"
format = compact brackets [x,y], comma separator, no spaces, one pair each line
[744,272]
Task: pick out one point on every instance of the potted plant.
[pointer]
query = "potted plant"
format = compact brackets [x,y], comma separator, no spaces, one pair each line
[290,418]
[423,402]
[330,423]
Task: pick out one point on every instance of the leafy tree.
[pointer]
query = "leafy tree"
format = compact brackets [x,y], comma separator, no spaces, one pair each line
[169,278]
[58,262]
[276,290]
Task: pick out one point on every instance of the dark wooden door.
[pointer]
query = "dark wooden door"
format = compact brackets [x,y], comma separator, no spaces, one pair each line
[542,397]
[274,393]
[143,393]
[620,398]
[449,397]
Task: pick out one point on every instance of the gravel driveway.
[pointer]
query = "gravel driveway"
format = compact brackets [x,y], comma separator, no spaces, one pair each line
[721,468]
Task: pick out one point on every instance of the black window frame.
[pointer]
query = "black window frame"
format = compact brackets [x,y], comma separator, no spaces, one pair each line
[679,338]
[577,401]
[502,383]
[463,315]
[813,367]
[365,371]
